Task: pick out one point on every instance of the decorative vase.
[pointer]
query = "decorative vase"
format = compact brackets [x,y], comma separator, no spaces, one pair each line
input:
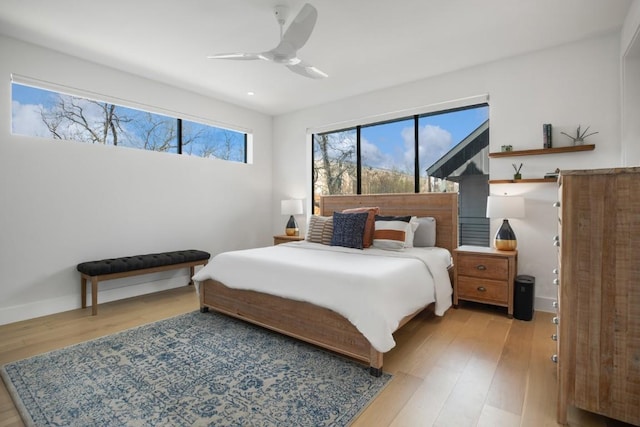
[505,239]
[517,176]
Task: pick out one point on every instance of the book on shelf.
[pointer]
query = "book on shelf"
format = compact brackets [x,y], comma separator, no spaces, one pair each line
[546,135]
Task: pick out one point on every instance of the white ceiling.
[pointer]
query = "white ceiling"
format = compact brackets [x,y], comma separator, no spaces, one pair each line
[363,45]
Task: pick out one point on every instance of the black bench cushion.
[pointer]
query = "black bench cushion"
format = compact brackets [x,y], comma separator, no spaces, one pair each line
[139,262]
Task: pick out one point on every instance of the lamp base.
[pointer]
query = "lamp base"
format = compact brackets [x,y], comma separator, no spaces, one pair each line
[505,239]
[505,245]
[292,227]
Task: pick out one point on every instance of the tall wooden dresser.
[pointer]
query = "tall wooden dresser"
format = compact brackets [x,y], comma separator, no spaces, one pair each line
[599,293]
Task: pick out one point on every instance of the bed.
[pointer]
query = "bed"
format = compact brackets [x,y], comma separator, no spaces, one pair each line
[315,323]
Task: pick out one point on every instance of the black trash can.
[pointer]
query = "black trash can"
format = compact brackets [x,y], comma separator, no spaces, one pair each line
[523,297]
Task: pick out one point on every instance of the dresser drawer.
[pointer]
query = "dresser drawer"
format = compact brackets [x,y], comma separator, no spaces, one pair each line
[485,267]
[472,288]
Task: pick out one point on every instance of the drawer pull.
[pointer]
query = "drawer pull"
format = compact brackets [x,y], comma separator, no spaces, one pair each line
[556,282]
[555,271]
[555,320]
[556,243]
[555,304]
[482,289]
[554,337]
[554,358]
[556,238]
[556,205]
[481,267]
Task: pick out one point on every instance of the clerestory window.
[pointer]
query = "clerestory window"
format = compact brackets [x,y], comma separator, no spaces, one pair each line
[50,114]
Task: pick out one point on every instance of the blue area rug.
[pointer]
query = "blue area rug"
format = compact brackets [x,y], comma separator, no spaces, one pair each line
[197,369]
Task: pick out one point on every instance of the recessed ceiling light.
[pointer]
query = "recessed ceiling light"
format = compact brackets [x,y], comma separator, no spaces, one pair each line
[250,93]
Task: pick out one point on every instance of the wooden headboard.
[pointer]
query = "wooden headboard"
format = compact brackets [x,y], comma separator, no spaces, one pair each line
[442,206]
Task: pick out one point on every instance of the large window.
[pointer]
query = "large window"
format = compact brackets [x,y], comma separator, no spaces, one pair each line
[446,151]
[45,113]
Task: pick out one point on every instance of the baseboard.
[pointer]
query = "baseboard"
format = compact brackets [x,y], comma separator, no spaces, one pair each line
[545,304]
[46,307]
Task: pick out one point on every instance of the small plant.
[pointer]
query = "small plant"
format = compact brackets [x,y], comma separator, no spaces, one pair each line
[579,138]
[517,175]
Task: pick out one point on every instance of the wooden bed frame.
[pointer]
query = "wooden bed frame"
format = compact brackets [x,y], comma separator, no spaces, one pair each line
[318,325]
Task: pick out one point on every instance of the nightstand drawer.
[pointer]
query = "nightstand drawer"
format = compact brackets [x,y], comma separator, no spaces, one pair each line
[472,288]
[485,267]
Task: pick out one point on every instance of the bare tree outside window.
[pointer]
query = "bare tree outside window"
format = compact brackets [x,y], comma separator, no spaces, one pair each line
[334,160]
[84,120]
[208,141]
[153,132]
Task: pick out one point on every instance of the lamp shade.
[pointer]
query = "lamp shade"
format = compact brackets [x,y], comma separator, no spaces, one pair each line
[291,207]
[505,207]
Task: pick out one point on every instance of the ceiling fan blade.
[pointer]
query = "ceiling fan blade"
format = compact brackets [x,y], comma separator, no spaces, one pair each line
[301,27]
[307,70]
[294,38]
[236,56]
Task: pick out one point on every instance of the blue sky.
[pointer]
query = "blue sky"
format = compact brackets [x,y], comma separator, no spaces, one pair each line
[29,95]
[459,124]
[391,145]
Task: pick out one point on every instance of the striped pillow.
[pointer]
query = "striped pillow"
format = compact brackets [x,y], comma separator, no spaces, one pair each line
[391,232]
[320,229]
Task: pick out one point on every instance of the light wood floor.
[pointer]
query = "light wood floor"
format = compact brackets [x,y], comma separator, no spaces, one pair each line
[473,367]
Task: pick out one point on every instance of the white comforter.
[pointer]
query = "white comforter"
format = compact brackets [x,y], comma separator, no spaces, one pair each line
[374,289]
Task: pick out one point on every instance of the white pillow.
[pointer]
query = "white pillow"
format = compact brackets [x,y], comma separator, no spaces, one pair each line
[425,235]
[413,226]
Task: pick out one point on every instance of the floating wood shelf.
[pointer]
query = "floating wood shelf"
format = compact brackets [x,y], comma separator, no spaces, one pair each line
[539,151]
[522,181]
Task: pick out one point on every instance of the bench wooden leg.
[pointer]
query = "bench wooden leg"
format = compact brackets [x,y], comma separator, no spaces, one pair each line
[83,284]
[94,296]
[192,271]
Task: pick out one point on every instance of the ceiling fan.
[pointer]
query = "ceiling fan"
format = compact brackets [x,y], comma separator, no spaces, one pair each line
[286,53]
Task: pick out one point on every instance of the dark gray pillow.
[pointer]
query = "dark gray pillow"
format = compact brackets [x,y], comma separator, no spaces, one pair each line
[348,229]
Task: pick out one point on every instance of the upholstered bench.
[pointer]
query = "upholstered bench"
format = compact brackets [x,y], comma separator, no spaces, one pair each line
[115,268]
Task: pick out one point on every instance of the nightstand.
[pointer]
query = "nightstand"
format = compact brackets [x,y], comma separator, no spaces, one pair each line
[283,238]
[484,275]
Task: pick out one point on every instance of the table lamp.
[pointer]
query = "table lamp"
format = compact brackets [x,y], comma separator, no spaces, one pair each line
[505,207]
[291,207]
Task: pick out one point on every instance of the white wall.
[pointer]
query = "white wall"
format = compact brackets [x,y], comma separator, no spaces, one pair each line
[566,86]
[64,202]
[630,54]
